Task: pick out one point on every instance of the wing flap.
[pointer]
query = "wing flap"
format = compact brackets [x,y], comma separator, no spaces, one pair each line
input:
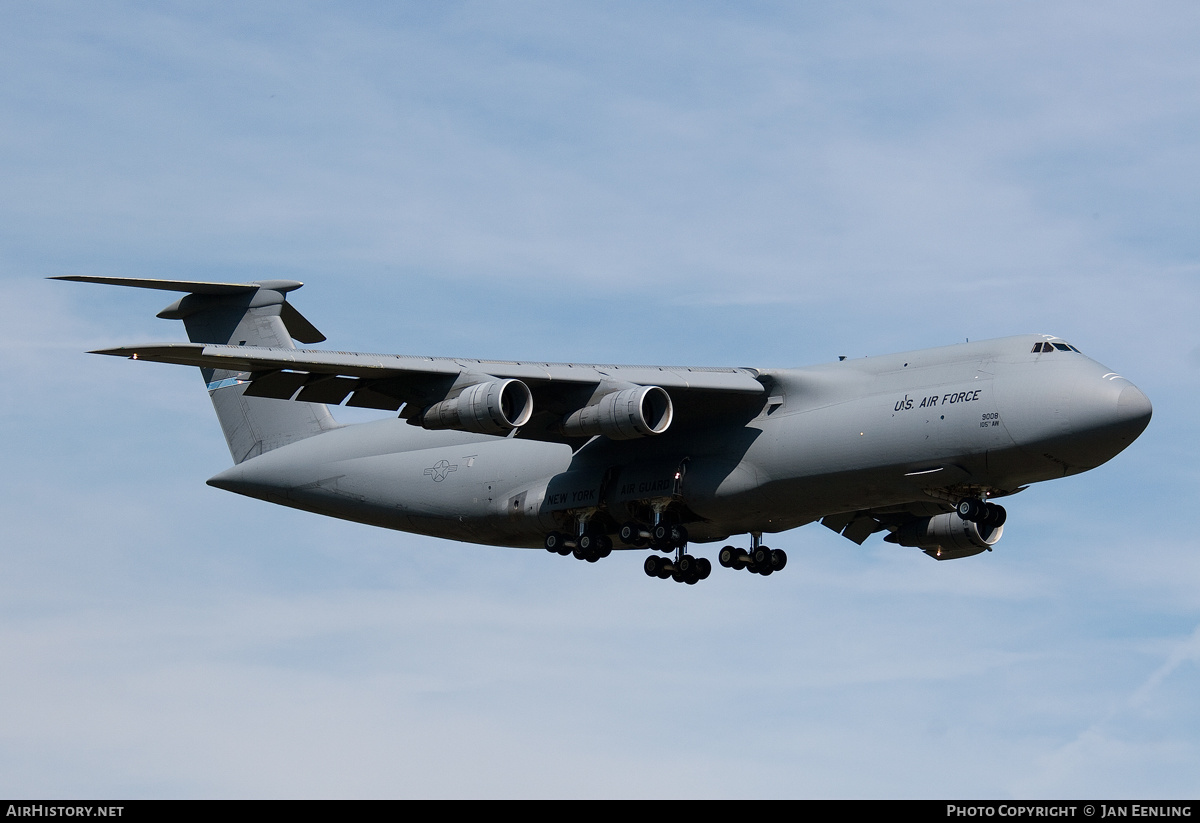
[327,388]
[367,397]
[281,385]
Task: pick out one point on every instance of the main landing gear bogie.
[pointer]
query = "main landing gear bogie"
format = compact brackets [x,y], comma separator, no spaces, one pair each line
[592,545]
[589,546]
[686,569]
[662,537]
[665,536]
[759,560]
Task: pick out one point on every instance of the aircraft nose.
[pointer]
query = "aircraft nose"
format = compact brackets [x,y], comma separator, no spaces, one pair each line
[1133,408]
[1110,416]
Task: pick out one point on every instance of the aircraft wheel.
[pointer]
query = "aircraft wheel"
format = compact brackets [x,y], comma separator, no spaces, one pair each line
[660,538]
[969,509]
[679,536]
[554,542]
[778,559]
[993,515]
[653,565]
[703,568]
[604,546]
[727,557]
[761,557]
[630,534]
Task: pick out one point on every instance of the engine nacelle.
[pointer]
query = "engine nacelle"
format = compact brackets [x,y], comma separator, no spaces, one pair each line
[623,415]
[495,407]
[948,536]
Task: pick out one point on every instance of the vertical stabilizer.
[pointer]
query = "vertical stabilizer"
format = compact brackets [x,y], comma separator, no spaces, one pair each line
[243,314]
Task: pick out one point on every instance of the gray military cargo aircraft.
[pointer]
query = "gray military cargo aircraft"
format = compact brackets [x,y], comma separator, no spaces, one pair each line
[568,456]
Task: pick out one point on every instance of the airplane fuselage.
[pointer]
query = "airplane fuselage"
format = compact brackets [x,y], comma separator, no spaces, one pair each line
[908,430]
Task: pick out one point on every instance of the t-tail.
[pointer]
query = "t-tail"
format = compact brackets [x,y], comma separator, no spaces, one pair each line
[242,314]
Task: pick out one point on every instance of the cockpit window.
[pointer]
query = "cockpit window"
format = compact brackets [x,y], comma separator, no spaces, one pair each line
[1049,347]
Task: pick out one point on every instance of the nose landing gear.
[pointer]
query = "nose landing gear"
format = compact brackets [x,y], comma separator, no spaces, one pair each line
[977,511]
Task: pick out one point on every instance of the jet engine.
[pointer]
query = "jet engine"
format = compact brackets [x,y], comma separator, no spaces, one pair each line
[495,407]
[947,536]
[623,415]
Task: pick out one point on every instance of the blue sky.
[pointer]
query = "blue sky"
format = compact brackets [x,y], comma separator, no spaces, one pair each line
[707,184]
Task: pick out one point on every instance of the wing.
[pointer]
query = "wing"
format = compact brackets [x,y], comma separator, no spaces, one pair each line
[546,401]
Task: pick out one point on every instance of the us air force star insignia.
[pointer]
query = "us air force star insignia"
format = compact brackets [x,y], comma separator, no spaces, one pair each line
[440,469]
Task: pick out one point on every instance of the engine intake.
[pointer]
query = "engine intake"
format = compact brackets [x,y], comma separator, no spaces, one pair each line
[948,536]
[623,415]
[495,407]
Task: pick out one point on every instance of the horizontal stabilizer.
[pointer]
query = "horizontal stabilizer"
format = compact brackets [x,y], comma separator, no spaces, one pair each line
[298,325]
[190,286]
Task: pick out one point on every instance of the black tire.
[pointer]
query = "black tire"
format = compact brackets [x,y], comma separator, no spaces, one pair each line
[630,534]
[703,568]
[661,535]
[554,542]
[778,559]
[761,557]
[604,546]
[727,557]
[652,565]
[679,536]
[969,509]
